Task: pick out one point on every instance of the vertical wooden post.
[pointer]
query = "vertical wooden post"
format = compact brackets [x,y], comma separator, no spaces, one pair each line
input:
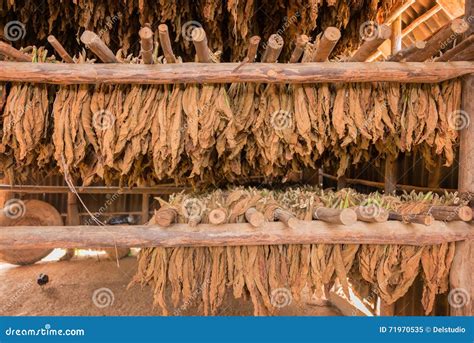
[461,296]
[391,176]
[145,208]
[72,210]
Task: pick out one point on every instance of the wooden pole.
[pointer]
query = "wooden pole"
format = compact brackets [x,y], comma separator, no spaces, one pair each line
[450,54]
[271,233]
[60,49]
[286,218]
[200,44]
[165,43]
[301,42]
[273,49]
[461,295]
[98,47]
[165,216]
[383,32]
[254,217]
[11,52]
[396,38]
[145,213]
[371,214]
[345,216]
[402,54]
[253,47]
[326,44]
[218,216]
[444,36]
[72,218]
[424,219]
[33,189]
[146,42]
[60,73]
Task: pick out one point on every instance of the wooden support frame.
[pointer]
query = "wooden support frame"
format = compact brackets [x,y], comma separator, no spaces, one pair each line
[60,73]
[461,294]
[270,233]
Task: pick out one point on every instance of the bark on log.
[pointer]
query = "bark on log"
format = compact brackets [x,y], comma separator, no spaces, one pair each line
[253,47]
[450,54]
[402,54]
[165,43]
[59,73]
[146,42]
[461,294]
[200,44]
[217,216]
[443,37]
[301,42]
[345,216]
[464,55]
[326,44]
[271,233]
[371,214]
[254,217]
[165,216]
[450,213]
[11,52]
[273,49]
[383,32]
[60,49]
[286,218]
[98,47]
[424,219]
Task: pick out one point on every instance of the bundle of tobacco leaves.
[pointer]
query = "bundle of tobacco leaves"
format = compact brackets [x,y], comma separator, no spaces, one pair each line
[256,272]
[144,133]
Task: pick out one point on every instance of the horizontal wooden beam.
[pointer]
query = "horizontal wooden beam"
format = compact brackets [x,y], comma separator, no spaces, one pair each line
[58,73]
[306,232]
[32,189]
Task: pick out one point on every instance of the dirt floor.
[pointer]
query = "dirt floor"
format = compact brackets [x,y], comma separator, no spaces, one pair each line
[95,286]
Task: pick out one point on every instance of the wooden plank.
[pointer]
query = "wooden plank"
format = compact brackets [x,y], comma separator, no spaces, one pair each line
[59,73]
[421,19]
[306,232]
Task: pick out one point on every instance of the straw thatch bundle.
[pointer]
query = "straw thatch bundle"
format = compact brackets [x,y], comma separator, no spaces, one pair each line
[258,271]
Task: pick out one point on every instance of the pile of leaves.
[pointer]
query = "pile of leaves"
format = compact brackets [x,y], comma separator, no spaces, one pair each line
[228,23]
[179,275]
[146,133]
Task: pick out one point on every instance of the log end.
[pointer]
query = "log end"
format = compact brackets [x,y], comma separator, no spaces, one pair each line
[256,218]
[302,40]
[145,33]
[428,220]
[88,37]
[217,216]
[51,39]
[255,40]
[165,217]
[332,34]
[276,41]
[163,28]
[420,44]
[199,35]
[348,216]
[384,32]
[459,26]
[465,213]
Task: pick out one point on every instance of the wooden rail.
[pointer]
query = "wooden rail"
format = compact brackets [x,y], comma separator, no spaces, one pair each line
[58,73]
[158,189]
[306,232]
